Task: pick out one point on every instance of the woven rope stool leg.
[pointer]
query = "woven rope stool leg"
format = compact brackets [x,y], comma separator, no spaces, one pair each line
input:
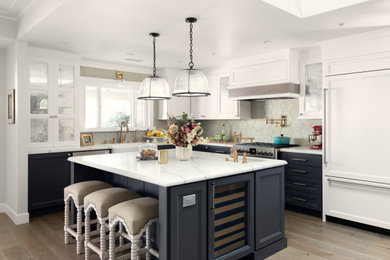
[148,255]
[66,222]
[102,238]
[87,233]
[134,249]
[111,245]
[121,240]
[79,238]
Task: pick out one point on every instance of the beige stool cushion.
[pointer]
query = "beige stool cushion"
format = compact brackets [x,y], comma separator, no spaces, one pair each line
[104,199]
[136,213]
[82,189]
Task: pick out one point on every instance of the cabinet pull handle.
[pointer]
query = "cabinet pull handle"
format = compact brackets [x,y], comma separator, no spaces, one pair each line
[299,199]
[69,154]
[351,182]
[300,184]
[213,188]
[300,171]
[219,151]
[324,128]
[299,160]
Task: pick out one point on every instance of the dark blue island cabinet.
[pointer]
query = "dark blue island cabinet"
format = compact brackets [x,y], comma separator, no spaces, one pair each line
[235,217]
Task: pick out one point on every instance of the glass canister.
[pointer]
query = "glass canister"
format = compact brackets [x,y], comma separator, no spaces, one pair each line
[147,151]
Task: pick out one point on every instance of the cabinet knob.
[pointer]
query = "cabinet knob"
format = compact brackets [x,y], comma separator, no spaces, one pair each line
[69,155]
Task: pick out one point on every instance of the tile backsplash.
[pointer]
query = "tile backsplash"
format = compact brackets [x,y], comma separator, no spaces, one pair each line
[257,128]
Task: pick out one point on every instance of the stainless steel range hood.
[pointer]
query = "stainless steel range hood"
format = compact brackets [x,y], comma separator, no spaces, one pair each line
[277,91]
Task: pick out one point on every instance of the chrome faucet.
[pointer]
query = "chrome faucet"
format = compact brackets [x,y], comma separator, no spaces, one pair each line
[122,137]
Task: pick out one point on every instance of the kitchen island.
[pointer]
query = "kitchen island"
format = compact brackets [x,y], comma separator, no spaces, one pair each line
[209,208]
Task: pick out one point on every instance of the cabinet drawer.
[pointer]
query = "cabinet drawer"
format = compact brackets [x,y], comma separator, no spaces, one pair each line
[302,159]
[359,201]
[304,184]
[304,171]
[304,200]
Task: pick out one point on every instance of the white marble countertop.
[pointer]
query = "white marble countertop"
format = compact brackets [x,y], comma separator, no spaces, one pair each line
[86,148]
[301,149]
[202,166]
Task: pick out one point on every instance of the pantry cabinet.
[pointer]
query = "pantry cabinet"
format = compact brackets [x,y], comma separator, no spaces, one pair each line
[53,101]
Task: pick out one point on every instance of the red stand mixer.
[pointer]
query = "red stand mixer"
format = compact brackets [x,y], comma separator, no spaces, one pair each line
[315,139]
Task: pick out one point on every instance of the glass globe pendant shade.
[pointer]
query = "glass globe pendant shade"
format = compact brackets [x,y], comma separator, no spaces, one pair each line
[191,83]
[154,88]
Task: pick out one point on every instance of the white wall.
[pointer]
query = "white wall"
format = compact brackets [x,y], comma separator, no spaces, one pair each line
[3,122]
[16,143]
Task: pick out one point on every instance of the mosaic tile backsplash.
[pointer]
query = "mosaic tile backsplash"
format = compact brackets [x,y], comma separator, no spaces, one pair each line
[257,128]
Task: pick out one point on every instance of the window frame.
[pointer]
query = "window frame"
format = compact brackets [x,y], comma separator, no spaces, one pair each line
[115,84]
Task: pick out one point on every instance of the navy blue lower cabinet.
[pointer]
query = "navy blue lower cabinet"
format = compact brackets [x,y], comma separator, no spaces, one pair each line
[231,215]
[48,175]
[269,200]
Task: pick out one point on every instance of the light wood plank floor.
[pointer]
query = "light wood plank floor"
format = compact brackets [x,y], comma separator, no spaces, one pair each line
[308,238]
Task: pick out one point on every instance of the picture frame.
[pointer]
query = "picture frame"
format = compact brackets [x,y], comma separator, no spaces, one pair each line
[11,106]
[86,139]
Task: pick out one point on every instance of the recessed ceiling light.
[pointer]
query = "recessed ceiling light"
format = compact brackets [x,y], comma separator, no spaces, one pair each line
[133,60]
[341,24]
[266,42]
[307,8]
[213,53]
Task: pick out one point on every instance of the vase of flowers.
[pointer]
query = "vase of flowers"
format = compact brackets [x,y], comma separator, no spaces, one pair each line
[184,134]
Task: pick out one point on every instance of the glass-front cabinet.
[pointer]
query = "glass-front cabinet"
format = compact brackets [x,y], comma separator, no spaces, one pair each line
[52,94]
[231,230]
[310,102]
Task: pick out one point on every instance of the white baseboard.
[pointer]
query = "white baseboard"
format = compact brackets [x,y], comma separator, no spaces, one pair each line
[16,218]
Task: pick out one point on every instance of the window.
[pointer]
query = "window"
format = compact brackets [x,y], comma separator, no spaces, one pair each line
[107,103]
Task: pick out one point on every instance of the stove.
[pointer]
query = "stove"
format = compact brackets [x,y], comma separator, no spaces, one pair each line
[261,150]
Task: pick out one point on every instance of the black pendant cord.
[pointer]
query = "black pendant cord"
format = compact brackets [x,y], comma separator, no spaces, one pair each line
[191,63]
[154,56]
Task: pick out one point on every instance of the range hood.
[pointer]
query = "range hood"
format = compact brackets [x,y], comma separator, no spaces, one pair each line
[277,91]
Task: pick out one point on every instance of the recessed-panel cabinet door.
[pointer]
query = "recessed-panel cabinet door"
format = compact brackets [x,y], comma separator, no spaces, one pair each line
[48,175]
[231,217]
[269,205]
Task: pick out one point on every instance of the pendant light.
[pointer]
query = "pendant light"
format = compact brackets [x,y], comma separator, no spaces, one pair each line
[154,87]
[191,82]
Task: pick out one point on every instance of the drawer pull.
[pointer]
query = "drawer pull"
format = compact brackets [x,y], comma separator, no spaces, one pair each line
[299,160]
[218,151]
[299,199]
[300,184]
[300,171]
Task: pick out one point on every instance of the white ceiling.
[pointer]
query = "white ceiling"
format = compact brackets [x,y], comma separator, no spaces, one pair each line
[116,30]
[13,9]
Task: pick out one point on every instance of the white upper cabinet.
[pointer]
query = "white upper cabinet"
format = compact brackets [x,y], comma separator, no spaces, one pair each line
[52,100]
[218,105]
[267,69]
[176,105]
[310,100]
[358,53]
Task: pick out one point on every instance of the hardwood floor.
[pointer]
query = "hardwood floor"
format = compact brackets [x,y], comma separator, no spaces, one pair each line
[308,238]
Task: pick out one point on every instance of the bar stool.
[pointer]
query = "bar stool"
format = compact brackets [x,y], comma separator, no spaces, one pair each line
[100,202]
[137,216]
[77,192]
